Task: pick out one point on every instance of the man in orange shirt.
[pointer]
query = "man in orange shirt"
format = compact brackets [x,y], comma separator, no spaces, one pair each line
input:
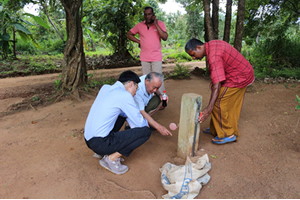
[151,31]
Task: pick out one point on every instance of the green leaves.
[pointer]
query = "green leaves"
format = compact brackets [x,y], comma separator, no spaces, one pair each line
[38,20]
[20,27]
[11,23]
[297,99]
[5,37]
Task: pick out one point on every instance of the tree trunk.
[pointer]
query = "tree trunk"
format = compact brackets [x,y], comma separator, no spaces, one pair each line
[74,71]
[239,25]
[14,45]
[215,18]
[209,34]
[208,23]
[226,36]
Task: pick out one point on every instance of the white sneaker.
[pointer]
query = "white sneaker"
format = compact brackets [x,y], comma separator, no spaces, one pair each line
[97,156]
[113,166]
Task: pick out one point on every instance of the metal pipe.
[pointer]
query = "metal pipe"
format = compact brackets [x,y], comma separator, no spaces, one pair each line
[196,123]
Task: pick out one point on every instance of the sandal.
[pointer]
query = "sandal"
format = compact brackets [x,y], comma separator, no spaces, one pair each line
[224,140]
[207,130]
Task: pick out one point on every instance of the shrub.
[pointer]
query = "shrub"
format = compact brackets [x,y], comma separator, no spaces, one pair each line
[26,48]
[275,57]
[180,71]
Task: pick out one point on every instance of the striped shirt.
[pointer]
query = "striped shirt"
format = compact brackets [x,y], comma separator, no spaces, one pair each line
[227,65]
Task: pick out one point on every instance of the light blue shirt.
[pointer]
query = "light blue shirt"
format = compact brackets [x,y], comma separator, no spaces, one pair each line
[111,102]
[142,97]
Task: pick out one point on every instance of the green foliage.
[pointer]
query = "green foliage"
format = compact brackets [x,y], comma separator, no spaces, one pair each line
[35,98]
[269,19]
[29,65]
[96,83]
[55,47]
[12,23]
[180,71]
[176,25]
[48,47]
[57,84]
[41,67]
[297,99]
[114,18]
[180,57]
[275,57]
[26,48]
[99,51]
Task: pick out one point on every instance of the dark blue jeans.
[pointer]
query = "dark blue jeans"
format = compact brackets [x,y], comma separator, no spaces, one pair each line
[123,142]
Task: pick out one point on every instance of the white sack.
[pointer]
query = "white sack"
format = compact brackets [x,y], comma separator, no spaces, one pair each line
[185,181]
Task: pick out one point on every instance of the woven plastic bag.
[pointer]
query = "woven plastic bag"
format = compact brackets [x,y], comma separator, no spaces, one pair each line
[185,181]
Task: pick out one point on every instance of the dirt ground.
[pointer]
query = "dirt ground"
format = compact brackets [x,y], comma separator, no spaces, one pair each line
[43,153]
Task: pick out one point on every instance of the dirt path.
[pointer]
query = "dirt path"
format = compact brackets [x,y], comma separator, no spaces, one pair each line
[43,154]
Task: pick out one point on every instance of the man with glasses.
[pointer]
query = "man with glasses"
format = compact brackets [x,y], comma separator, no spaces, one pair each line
[149,98]
[151,31]
[113,105]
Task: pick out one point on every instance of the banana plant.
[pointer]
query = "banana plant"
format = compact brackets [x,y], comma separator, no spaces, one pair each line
[11,25]
[88,35]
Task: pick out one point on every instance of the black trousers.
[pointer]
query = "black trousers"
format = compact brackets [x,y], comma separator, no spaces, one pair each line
[123,142]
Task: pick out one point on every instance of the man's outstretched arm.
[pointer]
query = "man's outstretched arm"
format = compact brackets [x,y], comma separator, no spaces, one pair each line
[161,129]
[215,90]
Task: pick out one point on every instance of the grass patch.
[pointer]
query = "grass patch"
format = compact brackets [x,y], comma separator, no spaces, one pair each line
[179,57]
[96,83]
[99,51]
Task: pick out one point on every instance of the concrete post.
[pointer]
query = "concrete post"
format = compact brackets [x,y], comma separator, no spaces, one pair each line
[187,124]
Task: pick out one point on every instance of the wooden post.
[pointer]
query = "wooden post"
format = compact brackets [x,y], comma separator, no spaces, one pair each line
[187,124]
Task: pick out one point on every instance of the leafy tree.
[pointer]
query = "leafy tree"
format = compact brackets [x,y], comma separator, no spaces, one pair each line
[195,18]
[45,9]
[114,19]
[273,25]
[177,28]
[262,17]
[13,24]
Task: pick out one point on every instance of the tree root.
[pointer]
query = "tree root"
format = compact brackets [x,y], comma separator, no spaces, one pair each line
[32,107]
[75,95]
[93,90]
[62,94]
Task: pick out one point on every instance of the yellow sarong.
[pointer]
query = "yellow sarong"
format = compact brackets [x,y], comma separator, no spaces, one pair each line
[226,113]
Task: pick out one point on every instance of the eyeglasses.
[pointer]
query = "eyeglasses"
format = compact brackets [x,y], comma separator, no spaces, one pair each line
[136,84]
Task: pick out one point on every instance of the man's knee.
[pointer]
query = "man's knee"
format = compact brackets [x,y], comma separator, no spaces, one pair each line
[153,104]
[147,131]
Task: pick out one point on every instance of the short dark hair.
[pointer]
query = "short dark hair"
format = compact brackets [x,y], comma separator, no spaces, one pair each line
[192,44]
[129,76]
[148,7]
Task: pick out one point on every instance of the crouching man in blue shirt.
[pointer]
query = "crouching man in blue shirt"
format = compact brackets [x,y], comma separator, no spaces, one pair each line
[113,105]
